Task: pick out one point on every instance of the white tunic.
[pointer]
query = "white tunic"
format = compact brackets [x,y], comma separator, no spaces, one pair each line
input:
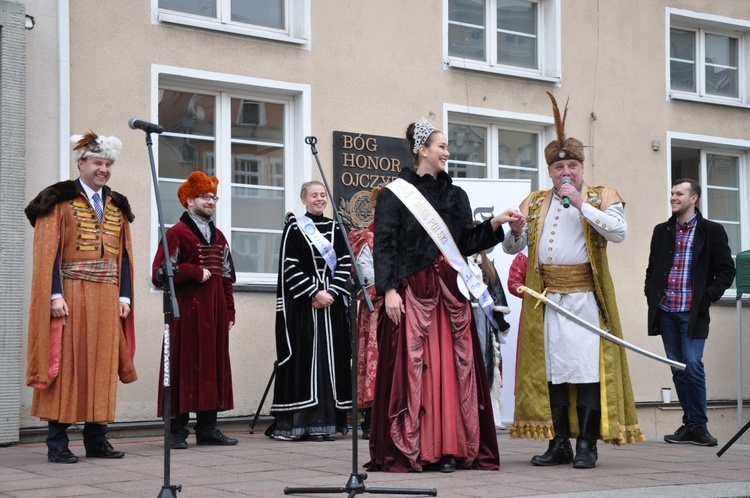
[571,351]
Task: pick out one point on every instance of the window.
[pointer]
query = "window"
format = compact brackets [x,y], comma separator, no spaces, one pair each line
[708,58]
[722,170]
[244,136]
[514,37]
[496,147]
[283,20]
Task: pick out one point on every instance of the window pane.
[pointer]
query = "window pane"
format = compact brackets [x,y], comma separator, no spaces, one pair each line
[200,7]
[723,171]
[515,50]
[257,208]
[682,45]
[518,156]
[188,113]
[721,66]
[258,165]
[255,252]
[255,120]
[170,203]
[466,11]
[261,12]
[517,33]
[466,42]
[468,151]
[733,233]
[178,157]
[723,204]
[721,50]
[517,148]
[682,76]
[682,60]
[517,15]
[467,39]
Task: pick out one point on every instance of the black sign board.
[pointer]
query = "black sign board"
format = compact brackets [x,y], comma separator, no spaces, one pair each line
[361,163]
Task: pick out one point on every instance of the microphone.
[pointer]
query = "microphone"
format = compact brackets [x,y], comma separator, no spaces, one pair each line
[566,181]
[137,124]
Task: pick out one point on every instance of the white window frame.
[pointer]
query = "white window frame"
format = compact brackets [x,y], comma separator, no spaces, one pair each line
[723,146]
[297,99]
[298,28]
[709,24]
[549,48]
[493,120]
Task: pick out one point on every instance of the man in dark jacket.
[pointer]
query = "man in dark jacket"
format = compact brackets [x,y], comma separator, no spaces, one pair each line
[690,267]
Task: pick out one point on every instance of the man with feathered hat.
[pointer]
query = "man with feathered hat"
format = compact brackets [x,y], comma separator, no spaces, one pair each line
[570,381]
[200,373]
[81,333]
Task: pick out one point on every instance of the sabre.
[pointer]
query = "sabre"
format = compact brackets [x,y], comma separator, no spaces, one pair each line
[593,328]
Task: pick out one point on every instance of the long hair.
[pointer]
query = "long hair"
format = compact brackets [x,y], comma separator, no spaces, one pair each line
[489,269]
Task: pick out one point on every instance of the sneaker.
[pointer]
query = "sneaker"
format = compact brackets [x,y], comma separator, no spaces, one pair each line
[702,437]
[683,435]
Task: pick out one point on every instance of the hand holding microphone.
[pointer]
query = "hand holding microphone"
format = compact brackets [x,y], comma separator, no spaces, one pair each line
[565,200]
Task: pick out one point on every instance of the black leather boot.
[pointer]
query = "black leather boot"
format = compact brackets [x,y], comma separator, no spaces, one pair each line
[559,450]
[586,454]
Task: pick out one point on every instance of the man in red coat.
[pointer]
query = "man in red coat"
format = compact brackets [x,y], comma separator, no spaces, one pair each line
[200,373]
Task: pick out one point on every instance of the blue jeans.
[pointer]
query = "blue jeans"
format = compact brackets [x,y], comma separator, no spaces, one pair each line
[690,384]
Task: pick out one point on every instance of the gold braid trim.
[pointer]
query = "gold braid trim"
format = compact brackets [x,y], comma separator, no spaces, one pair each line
[531,429]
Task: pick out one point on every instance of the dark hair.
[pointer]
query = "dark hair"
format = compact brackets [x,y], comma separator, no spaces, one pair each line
[410,139]
[489,269]
[695,187]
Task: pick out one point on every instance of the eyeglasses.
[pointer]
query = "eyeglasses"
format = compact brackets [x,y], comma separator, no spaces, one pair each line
[208,197]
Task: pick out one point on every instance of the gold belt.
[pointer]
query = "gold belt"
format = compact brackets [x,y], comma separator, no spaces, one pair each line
[567,279]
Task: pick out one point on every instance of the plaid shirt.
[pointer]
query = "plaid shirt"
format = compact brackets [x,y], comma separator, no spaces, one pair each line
[678,294]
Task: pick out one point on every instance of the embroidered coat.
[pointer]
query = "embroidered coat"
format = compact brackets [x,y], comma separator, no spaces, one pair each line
[74,363]
[367,322]
[533,419]
[200,371]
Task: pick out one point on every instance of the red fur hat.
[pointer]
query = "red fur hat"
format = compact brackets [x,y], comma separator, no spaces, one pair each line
[196,184]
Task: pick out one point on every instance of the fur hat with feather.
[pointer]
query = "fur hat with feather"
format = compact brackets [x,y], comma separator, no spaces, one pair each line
[92,145]
[562,148]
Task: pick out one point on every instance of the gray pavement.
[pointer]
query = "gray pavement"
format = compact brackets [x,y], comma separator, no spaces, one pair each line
[261,467]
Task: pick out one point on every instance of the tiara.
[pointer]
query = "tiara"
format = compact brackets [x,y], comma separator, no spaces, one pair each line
[422,130]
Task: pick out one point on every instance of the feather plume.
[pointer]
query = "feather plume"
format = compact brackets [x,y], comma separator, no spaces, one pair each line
[90,140]
[559,123]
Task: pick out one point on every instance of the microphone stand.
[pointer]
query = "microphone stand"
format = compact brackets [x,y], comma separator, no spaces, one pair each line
[355,485]
[171,309]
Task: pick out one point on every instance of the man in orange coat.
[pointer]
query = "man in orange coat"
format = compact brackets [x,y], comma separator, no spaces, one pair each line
[81,334]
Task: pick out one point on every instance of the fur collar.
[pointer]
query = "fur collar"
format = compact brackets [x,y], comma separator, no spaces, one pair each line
[66,190]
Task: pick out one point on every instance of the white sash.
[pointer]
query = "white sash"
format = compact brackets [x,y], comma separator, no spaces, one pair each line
[323,245]
[441,236]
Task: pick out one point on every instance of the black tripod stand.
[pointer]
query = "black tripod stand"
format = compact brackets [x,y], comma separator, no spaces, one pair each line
[171,309]
[734,438]
[355,485]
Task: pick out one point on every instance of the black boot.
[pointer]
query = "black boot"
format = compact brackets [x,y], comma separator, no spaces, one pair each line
[559,451]
[586,454]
